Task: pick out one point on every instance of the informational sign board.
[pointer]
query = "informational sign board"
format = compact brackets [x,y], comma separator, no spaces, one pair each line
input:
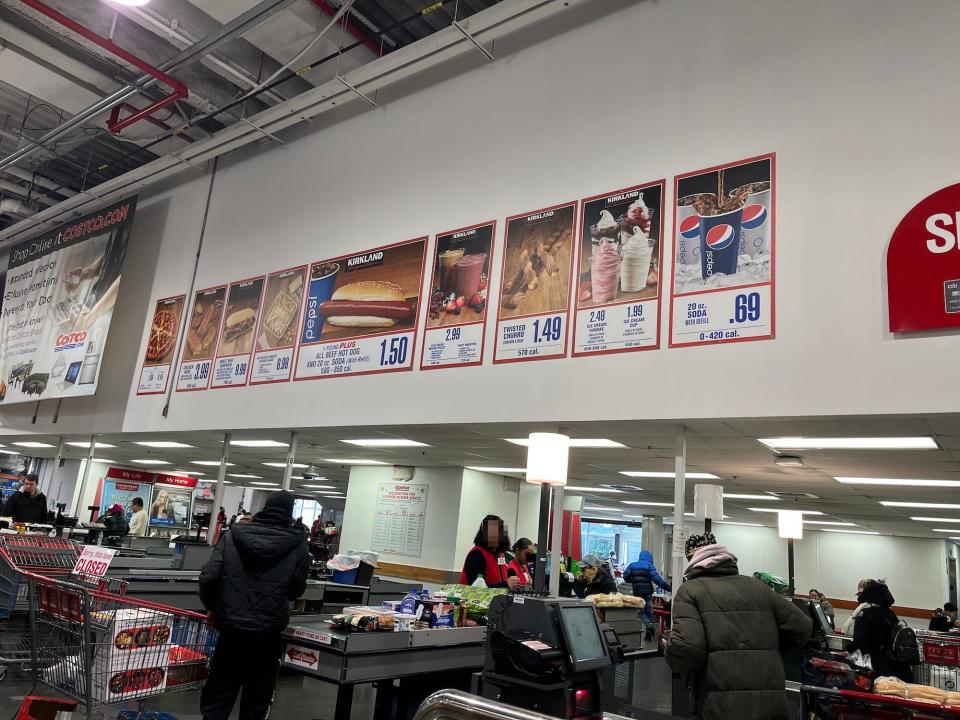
[923,265]
[171,504]
[618,282]
[301,656]
[235,347]
[279,322]
[534,303]
[456,319]
[200,344]
[161,344]
[61,288]
[724,249]
[122,492]
[361,312]
[94,560]
[399,519]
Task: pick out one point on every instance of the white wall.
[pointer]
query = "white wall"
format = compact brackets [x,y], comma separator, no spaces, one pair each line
[485,494]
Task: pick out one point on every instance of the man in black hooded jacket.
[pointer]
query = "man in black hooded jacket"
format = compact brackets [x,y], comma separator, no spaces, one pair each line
[255,570]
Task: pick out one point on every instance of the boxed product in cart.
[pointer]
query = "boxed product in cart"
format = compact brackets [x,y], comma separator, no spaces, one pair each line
[130,652]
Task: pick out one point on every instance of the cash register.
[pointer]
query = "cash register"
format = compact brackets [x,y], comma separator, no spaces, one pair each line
[547,654]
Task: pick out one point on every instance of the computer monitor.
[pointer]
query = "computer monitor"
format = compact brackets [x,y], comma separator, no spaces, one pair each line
[821,618]
[584,641]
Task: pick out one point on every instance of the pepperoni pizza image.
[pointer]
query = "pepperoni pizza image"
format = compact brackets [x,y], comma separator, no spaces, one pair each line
[164,330]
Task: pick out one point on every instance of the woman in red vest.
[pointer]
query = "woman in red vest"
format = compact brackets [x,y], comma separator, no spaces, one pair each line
[524,552]
[487,559]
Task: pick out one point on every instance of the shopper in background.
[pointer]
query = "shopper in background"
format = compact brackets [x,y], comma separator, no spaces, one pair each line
[524,553]
[825,604]
[594,579]
[643,575]
[487,559]
[115,522]
[316,529]
[29,505]
[728,633]
[944,620]
[874,631]
[254,573]
[139,520]
[850,622]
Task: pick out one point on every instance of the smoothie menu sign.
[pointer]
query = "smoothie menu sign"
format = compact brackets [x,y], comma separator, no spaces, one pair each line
[61,289]
[724,247]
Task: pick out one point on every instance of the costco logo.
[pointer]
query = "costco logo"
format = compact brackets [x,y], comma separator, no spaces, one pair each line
[68,341]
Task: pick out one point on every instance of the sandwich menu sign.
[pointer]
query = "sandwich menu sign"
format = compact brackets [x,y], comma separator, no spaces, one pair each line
[61,288]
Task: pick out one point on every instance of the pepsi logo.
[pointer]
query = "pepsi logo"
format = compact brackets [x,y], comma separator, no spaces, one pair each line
[690,227]
[754,216]
[720,236]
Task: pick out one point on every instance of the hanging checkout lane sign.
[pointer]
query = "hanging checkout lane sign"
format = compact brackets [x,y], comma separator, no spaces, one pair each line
[362,312]
[618,280]
[722,288]
[923,265]
[61,288]
[535,279]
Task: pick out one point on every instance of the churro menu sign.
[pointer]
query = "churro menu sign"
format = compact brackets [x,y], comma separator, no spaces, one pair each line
[618,289]
[534,303]
[158,357]
[61,288]
[456,321]
[722,288]
[361,312]
[201,341]
[399,518]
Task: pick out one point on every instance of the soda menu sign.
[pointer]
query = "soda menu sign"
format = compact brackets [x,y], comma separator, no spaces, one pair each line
[923,265]
[61,288]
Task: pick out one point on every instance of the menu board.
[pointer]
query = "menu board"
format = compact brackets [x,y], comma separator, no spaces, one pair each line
[201,341]
[456,321]
[398,520]
[535,280]
[361,312]
[277,336]
[234,349]
[618,288]
[171,505]
[158,358]
[723,269]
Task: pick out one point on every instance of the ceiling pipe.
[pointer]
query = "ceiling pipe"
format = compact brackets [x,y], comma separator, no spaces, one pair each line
[357,33]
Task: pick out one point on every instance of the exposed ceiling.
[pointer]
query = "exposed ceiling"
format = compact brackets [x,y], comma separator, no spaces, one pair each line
[729,449]
[51,75]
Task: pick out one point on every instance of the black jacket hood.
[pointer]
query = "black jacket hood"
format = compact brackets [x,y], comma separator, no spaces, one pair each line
[878,594]
[266,543]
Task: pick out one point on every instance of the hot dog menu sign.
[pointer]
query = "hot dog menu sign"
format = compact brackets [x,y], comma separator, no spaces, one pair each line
[361,312]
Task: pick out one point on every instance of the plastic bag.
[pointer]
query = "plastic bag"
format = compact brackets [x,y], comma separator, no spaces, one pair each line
[367,556]
[344,562]
[479,582]
[860,660]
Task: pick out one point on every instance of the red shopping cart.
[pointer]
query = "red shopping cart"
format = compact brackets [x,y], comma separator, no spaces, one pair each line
[817,703]
[940,666]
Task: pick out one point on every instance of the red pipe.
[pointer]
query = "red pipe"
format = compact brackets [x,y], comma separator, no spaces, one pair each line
[115,124]
[351,28]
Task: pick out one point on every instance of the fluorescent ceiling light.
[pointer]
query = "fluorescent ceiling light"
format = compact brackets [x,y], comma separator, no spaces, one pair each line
[9,452]
[245,476]
[162,444]
[935,519]
[898,482]
[320,487]
[749,497]
[850,443]
[582,488]
[651,504]
[576,442]
[649,474]
[264,483]
[33,444]
[484,468]
[353,461]
[954,538]
[86,444]
[99,460]
[257,443]
[385,442]
[929,506]
[947,530]
[851,532]
[773,510]
[130,3]
[326,492]
[597,508]
[829,522]
[190,472]
[150,461]
[283,465]
[210,463]
[731,522]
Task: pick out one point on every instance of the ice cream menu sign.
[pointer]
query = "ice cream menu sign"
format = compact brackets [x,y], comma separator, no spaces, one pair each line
[61,288]
[361,312]
[398,520]
[618,286]
[724,247]
[535,281]
[456,321]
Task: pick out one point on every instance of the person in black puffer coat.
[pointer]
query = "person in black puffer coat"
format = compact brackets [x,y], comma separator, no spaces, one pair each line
[255,570]
[873,631]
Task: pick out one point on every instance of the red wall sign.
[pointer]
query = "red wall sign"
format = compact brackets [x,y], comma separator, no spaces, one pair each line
[178,480]
[132,475]
[923,265]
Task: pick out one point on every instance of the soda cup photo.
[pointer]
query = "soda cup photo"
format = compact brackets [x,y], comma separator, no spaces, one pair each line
[687,251]
[755,227]
[720,243]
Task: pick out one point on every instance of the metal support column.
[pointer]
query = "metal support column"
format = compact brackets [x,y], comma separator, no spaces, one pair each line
[291,458]
[791,570]
[679,501]
[86,476]
[540,568]
[221,486]
[57,459]
[556,551]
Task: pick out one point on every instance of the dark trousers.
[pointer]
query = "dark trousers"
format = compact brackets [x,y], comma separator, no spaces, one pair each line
[646,615]
[244,662]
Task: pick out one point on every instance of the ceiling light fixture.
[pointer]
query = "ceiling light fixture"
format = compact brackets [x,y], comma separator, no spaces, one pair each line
[130,3]
[210,463]
[86,444]
[731,522]
[190,472]
[597,508]
[245,476]
[353,461]
[898,482]
[283,465]
[829,522]
[929,506]
[583,488]
[320,487]
[258,443]
[385,443]
[483,468]
[651,504]
[33,444]
[162,444]
[947,530]
[734,496]
[936,519]
[9,452]
[264,483]
[576,442]
[851,532]
[850,443]
[670,475]
[104,461]
[149,461]
[802,512]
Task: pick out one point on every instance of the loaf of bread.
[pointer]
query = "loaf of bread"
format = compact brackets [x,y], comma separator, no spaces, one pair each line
[613,600]
[890,686]
[925,693]
[634,602]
